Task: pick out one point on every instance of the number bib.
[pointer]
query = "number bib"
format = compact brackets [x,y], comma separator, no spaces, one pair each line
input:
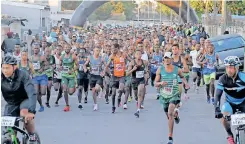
[210,66]
[36,66]
[119,67]
[95,70]
[168,90]
[65,69]
[80,67]
[139,74]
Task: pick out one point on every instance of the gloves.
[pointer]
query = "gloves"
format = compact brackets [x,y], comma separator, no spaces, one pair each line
[218,113]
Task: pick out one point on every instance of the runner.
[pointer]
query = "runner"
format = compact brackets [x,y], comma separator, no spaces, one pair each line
[17,53]
[40,79]
[107,73]
[50,64]
[82,77]
[156,60]
[57,74]
[166,78]
[68,62]
[210,61]
[118,75]
[25,64]
[138,68]
[180,62]
[96,81]
[196,68]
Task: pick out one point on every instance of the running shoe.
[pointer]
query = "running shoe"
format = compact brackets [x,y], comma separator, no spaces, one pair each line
[208,100]
[107,101]
[95,107]
[41,109]
[47,104]
[230,140]
[80,106]
[85,100]
[212,99]
[129,99]
[170,142]
[142,106]
[113,109]
[125,106]
[56,104]
[67,108]
[137,114]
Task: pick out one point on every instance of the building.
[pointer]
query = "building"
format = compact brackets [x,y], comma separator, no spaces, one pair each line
[38,15]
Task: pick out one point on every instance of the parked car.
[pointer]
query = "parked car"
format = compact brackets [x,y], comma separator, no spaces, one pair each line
[228,45]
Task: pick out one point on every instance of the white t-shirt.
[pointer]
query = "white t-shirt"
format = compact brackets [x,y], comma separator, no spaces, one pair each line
[18,57]
[144,56]
[194,55]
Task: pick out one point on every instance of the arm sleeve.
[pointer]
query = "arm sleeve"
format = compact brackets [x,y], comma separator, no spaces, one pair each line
[31,93]
[3,46]
[219,91]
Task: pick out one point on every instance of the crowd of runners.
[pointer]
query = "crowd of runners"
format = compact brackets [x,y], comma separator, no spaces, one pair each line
[118,63]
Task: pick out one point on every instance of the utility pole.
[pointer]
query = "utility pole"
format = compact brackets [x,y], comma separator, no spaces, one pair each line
[160,12]
[224,16]
[180,9]
[188,11]
[148,10]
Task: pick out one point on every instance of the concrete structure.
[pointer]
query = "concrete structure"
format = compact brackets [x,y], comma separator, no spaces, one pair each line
[38,15]
[87,7]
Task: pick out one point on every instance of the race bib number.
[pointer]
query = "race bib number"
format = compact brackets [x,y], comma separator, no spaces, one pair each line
[8,121]
[80,67]
[238,119]
[119,67]
[175,82]
[36,66]
[210,66]
[139,74]
[167,90]
[65,69]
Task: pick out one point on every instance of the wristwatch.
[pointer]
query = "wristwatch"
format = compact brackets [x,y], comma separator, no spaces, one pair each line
[33,112]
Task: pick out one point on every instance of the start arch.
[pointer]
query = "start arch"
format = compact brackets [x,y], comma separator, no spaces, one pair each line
[87,7]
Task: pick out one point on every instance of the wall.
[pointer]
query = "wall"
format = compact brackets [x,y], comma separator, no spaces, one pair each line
[31,14]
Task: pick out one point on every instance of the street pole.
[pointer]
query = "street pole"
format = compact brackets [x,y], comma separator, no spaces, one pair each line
[138,13]
[188,11]
[148,11]
[160,13]
[224,16]
[180,9]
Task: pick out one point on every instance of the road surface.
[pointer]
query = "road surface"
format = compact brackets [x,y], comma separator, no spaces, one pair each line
[197,124]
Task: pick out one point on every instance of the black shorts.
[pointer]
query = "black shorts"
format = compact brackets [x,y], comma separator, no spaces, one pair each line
[95,79]
[55,80]
[50,78]
[240,107]
[136,82]
[153,76]
[14,110]
[115,81]
[83,82]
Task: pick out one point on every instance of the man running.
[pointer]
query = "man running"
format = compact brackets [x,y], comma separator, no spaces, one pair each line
[57,73]
[167,80]
[82,77]
[50,64]
[68,61]
[210,61]
[96,81]
[138,68]
[118,75]
[196,68]
[25,64]
[40,79]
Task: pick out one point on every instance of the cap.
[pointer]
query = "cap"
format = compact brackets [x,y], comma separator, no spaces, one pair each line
[168,55]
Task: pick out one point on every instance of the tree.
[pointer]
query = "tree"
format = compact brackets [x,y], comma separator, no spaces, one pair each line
[103,12]
[118,7]
[70,5]
[128,11]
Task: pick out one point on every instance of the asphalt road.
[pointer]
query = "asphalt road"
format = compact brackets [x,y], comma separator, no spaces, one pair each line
[197,124]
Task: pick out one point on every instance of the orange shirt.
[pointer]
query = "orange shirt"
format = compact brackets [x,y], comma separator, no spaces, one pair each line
[119,66]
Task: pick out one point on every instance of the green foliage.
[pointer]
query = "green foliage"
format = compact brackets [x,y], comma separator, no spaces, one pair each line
[128,9]
[70,5]
[103,12]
